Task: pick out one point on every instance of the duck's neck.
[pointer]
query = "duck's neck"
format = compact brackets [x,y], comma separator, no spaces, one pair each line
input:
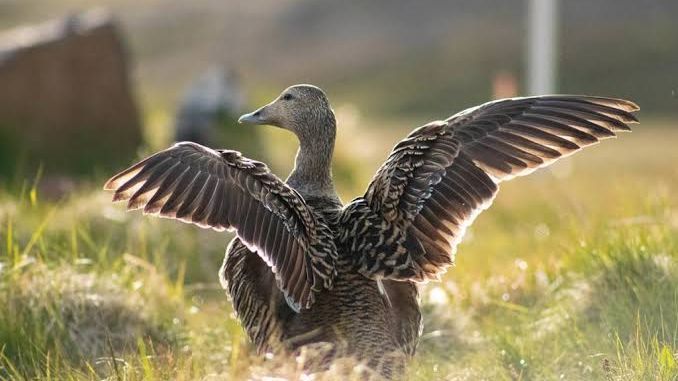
[312,173]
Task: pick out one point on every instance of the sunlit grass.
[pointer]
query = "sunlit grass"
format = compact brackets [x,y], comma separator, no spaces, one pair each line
[572,275]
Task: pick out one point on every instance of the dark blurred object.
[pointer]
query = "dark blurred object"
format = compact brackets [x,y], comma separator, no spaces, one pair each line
[209,111]
[213,97]
[66,101]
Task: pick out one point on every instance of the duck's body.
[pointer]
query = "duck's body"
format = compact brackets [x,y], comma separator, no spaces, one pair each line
[356,317]
[307,271]
[350,320]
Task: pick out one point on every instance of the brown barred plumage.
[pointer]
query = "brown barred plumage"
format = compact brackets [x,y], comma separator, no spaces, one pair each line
[223,190]
[304,271]
[255,295]
[437,180]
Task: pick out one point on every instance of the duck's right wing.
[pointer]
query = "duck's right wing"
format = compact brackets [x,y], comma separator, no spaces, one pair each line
[224,191]
[438,179]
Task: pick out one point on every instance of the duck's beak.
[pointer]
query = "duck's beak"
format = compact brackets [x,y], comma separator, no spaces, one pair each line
[255,117]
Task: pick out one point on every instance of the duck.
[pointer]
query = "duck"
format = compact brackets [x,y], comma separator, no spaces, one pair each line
[306,270]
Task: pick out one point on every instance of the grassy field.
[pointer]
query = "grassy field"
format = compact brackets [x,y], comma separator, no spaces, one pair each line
[571,275]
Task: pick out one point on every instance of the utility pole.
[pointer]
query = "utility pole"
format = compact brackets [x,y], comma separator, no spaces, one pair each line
[542,46]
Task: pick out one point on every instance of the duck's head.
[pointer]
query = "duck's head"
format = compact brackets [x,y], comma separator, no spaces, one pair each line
[302,109]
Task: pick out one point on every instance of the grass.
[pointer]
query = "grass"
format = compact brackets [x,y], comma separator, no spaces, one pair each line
[572,275]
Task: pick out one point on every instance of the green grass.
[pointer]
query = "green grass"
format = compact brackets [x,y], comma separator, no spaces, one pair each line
[572,275]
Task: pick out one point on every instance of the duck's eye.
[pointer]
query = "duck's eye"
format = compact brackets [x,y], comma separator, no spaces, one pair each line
[287,97]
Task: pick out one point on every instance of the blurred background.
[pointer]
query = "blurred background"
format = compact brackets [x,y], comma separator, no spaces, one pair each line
[571,275]
[170,68]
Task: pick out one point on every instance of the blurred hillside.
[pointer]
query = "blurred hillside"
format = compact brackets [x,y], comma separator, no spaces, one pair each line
[426,58]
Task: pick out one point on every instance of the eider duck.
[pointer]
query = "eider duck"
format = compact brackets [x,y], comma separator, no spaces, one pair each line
[305,269]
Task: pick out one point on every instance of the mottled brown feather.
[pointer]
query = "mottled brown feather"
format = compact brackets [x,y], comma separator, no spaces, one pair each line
[438,179]
[223,190]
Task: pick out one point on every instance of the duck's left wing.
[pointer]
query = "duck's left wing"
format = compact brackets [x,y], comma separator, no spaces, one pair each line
[437,180]
[224,190]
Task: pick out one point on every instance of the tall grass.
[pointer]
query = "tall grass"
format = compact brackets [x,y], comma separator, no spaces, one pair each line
[572,275]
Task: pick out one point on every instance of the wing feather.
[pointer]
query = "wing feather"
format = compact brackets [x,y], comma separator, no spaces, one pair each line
[223,190]
[438,179]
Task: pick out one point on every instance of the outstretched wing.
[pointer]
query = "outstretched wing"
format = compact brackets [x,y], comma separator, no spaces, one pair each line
[437,180]
[223,190]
